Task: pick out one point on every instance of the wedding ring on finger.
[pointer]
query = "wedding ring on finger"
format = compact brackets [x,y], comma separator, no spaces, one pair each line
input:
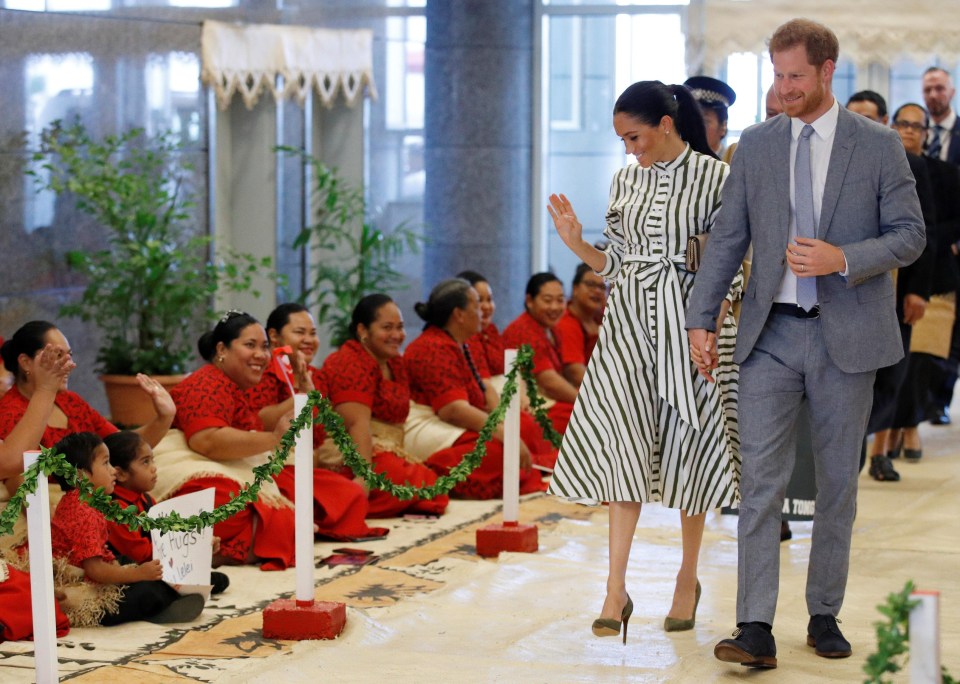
[802,268]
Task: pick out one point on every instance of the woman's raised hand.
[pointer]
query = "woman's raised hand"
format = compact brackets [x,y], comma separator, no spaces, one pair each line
[565,220]
[302,379]
[162,401]
[52,368]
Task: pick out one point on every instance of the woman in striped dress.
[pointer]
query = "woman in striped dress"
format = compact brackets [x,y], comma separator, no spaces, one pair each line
[646,426]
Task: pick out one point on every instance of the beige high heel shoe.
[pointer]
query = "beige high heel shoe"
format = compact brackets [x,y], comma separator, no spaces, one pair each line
[679,625]
[603,627]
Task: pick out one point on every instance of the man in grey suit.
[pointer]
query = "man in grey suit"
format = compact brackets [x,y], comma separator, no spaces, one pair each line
[828,200]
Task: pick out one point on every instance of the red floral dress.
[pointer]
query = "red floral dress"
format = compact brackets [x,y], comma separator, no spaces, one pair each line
[351,374]
[81,417]
[486,349]
[339,504]
[439,374]
[546,356]
[78,532]
[207,398]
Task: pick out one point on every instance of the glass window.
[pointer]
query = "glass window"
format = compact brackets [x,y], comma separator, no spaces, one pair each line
[406,37]
[618,3]
[59,5]
[588,59]
[59,87]
[173,83]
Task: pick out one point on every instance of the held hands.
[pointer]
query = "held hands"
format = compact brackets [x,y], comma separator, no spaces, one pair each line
[703,351]
[810,257]
[162,402]
[283,424]
[565,220]
[52,369]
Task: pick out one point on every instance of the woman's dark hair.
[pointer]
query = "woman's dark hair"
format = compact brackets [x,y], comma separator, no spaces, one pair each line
[226,331]
[926,122]
[446,296]
[123,447]
[78,450]
[27,340]
[538,280]
[472,277]
[649,101]
[280,316]
[581,271]
[365,312]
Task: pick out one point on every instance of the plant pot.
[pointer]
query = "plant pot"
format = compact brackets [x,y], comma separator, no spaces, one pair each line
[130,406]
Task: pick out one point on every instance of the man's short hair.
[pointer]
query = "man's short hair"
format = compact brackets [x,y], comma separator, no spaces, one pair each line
[870,96]
[821,43]
[934,69]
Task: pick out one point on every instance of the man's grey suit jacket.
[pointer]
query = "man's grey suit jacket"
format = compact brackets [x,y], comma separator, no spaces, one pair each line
[870,210]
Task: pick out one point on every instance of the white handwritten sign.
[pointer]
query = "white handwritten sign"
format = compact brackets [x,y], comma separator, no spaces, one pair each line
[185,556]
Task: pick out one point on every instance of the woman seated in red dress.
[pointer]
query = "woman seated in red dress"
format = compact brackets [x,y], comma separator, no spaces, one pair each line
[363,396]
[536,326]
[50,371]
[70,413]
[444,376]
[226,439]
[579,328]
[486,347]
[366,380]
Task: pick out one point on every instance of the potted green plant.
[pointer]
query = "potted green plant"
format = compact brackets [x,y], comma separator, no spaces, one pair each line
[354,258]
[150,289]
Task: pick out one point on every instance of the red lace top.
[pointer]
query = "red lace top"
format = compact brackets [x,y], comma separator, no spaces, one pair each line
[352,374]
[525,330]
[81,417]
[272,389]
[78,532]
[134,544]
[207,398]
[486,348]
[576,344]
[439,373]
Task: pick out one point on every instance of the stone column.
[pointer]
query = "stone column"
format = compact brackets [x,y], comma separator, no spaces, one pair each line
[477,125]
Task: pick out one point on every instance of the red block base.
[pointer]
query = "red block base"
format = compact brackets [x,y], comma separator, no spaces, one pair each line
[493,539]
[284,619]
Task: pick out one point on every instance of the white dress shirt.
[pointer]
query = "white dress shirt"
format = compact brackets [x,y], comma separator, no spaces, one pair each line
[821,145]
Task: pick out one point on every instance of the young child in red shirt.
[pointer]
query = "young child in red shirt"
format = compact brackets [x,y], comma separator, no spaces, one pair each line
[136,476]
[100,590]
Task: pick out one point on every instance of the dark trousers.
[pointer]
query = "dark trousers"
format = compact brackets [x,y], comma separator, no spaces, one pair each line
[141,600]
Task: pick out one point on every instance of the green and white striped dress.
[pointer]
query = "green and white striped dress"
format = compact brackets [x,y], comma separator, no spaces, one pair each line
[646,426]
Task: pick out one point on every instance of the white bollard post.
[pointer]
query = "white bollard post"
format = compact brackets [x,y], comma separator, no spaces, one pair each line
[303,486]
[511,449]
[41,578]
[925,638]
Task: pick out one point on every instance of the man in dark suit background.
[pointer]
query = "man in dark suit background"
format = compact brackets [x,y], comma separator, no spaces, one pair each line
[942,142]
[914,284]
[830,205]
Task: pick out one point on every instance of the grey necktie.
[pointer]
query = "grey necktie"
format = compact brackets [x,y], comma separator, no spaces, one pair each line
[803,197]
[933,150]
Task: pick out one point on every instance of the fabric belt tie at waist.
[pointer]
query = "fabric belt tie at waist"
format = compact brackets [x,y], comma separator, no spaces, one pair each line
[674,367]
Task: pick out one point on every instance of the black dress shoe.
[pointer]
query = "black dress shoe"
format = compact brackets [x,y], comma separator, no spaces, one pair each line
[786,534]
[825,636]
[939,417]
[881,469]
[912,455]
[752,645]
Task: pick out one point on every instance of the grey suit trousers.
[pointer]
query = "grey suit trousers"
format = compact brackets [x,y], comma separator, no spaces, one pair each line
[788,365]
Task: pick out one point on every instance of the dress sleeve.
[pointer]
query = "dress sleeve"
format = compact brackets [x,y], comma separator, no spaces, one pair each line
[203,403]
[82,417]
[80,532]
[441,380]
[350,378]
